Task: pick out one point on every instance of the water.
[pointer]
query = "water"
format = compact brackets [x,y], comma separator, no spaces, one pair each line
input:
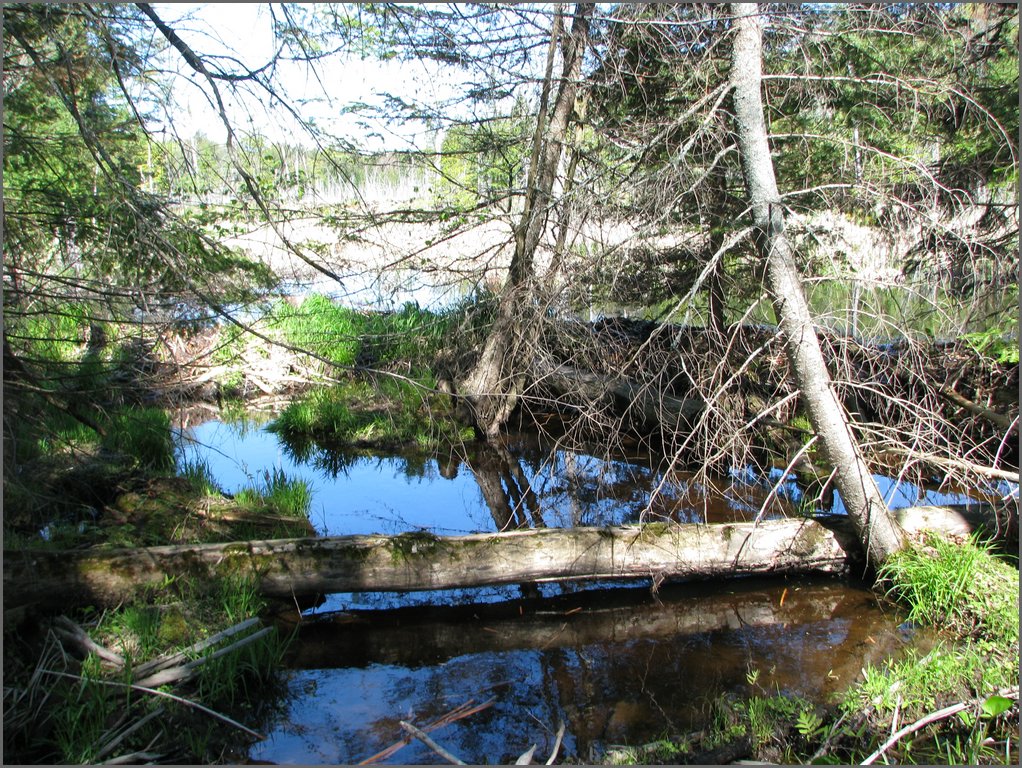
[521,484]
[615,663]
[614,666]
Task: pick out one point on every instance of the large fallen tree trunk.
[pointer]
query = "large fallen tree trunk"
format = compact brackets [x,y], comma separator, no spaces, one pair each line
[288,568]
[416,561]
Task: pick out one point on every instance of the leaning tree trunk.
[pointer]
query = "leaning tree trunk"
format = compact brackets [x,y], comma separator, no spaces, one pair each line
[878,530]
[493,386]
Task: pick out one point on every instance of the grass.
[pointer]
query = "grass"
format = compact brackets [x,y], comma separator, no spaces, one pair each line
[58,709]
[142,434]
[410,337]
[320,326]
[971,595]
[962,587]
[387,414]
[279,494]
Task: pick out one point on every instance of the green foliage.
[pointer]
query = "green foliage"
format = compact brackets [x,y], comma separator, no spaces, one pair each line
[287,497]
[485,162]
[200,476]
[320,326]
[142,434]
[998,343]
[389,413]
[959,586]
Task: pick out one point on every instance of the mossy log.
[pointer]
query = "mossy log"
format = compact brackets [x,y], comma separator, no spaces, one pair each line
[417,561]
[288,568]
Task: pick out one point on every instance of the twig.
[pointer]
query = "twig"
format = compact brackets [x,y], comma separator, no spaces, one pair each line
[828,740]
[526,757]
[132,758]
[185,671]
[431,744]
[110,745]
[68,630]
[459,712]
[998,419]
[557,744]
[166,695]
[922,722]
[144,670]
[963,464]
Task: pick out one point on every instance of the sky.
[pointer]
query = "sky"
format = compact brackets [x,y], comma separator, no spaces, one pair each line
[243,32]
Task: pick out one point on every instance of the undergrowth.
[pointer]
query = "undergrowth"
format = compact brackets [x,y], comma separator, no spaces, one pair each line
[388,413]
[64,706]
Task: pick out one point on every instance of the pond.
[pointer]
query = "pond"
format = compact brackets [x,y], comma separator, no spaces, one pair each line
[615,662]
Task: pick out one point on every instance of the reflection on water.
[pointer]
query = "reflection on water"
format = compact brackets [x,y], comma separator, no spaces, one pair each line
[616,666]
[619,666]
[520,484]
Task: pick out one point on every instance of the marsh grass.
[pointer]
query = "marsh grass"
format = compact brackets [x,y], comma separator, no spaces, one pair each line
[388,413]
[963,588]
[198,473]
[143,435]
[320,326]
[287,497]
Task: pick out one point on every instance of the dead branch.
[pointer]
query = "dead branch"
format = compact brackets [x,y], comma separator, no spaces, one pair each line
[431,744]
[933,717]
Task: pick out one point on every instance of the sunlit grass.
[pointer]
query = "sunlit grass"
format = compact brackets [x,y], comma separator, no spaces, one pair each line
[287,497]
[960,587]
[387,413]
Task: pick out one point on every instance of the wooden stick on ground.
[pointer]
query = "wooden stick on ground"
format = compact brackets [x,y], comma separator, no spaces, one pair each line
[431,744]
[186,671]
[933,717]
[68,630]
[164,694]
[184,655]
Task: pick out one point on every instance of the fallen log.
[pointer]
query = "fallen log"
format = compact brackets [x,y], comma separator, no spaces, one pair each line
[291,568]
[644,403]
[285,568]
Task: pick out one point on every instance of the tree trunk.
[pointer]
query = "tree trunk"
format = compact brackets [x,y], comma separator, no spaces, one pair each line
[493,386]
[298,568]
[878,531]
[289,568]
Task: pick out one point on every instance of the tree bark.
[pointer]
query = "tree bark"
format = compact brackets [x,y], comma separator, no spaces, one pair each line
[298,568]
[878,531]
[493,386]
[288,568]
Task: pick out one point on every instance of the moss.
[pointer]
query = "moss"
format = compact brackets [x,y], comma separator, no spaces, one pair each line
[417,543]
[808,539]
[657,529]
[175,629]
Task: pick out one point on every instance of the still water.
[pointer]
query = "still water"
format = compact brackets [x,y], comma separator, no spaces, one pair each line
[616,663]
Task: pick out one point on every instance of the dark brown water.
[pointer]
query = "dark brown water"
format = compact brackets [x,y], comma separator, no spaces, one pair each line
[616,665]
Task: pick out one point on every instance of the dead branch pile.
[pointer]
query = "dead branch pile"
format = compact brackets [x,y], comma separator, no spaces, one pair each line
[939,404]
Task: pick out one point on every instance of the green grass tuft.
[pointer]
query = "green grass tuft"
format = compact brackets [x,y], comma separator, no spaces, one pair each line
[142,434]
[962,587]
[285,496]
